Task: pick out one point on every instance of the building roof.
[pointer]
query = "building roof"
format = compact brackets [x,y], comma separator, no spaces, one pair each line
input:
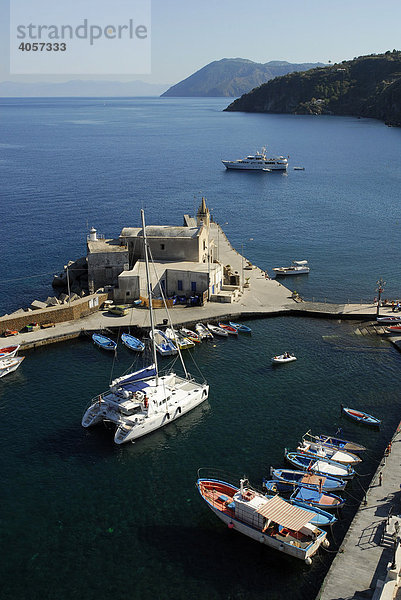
[162,266]
[102,245]
[161,231]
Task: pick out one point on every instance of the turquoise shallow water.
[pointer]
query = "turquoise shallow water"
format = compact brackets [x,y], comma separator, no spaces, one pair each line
[83,518]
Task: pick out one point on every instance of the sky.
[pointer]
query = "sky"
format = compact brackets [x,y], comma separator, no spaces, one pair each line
[185,35]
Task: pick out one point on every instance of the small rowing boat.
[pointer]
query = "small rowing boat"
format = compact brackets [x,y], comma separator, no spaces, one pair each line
[241,328]
[361,417]
[103,342]
[191,335]
[132,342]
[305,495]
[300,478]
[229,328]
[389,319]
[319,451]
[203,332]
[217,330]
[320,466]
[335,442]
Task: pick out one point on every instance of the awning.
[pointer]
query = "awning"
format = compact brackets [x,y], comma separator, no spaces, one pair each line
[285,514]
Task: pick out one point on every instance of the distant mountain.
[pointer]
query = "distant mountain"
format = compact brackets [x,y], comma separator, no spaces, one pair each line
[367,86]
[80,88]
[233,77]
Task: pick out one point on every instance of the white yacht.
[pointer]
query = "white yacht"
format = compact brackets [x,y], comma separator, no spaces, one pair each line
[259,161]
[298,267]
[143,401]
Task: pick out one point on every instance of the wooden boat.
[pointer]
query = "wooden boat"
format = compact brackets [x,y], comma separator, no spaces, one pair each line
[120,311]
[229,328]
[241,328]
[321,517]
[361,417]
[335,442]
[300,478]
[203,332]
[394,328]
[103,342]
[389,319]
[8,365]
[320,466]
[191,335]
[284,358]
[9,351]
[164,346]
[304,495]
[270,521]
[217,330]
[319,451]
[182,342]
[132,342]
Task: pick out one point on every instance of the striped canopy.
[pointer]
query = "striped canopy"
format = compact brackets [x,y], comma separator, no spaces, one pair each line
[285,514]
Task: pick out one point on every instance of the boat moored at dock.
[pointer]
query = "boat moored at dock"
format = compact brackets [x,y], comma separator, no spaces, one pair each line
[334,442]
[319,451]
[320,466]
[300,478]
[104,342]
[8,365]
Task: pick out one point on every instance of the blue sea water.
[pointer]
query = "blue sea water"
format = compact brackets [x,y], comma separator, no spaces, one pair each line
[83,518]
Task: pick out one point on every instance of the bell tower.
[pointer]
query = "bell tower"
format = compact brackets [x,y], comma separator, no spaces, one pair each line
[203,214]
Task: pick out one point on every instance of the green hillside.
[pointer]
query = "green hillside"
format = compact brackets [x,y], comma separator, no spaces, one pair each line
[231,77]
[368,86]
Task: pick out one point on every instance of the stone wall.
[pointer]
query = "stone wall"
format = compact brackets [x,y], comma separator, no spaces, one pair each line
[54,314]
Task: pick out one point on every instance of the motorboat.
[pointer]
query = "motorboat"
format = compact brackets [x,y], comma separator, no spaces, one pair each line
[334,442]
[191,335]
[8,365]
[241,328]
[164,346]
[284,358]
[104,342]
[304,495]
[229,328]
[270,521]
[258,162]
[389,319]
[146,400]
[132,342]
[217,330]
[9,351]
[361,417]
[203,332]
[319,451]
[298,267]
[301,478]
[320,466]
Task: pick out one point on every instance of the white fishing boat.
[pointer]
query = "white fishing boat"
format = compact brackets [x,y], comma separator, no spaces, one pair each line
[8,365]
[283,358]
[217,330]
[270,521]
[203,332]
[146,400]
[317,450]
[298,267]
[258,162]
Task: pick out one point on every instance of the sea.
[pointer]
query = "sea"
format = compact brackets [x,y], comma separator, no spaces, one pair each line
[83,518]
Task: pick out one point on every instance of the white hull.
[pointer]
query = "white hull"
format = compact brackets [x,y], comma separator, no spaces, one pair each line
[264,166]
[260,537]
[8,365]
[290,271]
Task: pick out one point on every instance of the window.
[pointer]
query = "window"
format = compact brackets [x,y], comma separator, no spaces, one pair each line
[193,286]
[161,246]
[204,245]
[179,284]
[127,293]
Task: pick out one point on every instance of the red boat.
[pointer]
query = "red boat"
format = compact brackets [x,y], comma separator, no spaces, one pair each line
[229,328]
[9,351]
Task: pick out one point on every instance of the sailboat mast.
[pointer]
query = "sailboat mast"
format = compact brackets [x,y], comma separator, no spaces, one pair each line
[152,325]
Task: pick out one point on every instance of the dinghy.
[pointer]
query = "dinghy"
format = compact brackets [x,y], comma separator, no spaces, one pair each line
[191,335]
[241,328]
[203,332]
[361,417]
[270,521]
[132,342]
[103,342]
[334,442]
[164,346]
[320,466]
[229,328]
[178,339]
[9,351]
[284,358]
[300,478]
[217,330]
[319,451]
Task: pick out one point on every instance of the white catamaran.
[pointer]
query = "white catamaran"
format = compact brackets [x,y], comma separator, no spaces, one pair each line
[143,401]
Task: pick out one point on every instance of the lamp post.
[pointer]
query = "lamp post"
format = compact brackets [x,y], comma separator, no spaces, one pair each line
[380,287]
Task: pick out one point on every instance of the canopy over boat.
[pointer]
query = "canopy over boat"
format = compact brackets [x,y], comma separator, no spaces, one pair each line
[287,515]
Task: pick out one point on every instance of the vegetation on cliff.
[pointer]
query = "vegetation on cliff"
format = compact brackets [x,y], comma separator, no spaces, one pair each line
[231,77]
[367,86]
